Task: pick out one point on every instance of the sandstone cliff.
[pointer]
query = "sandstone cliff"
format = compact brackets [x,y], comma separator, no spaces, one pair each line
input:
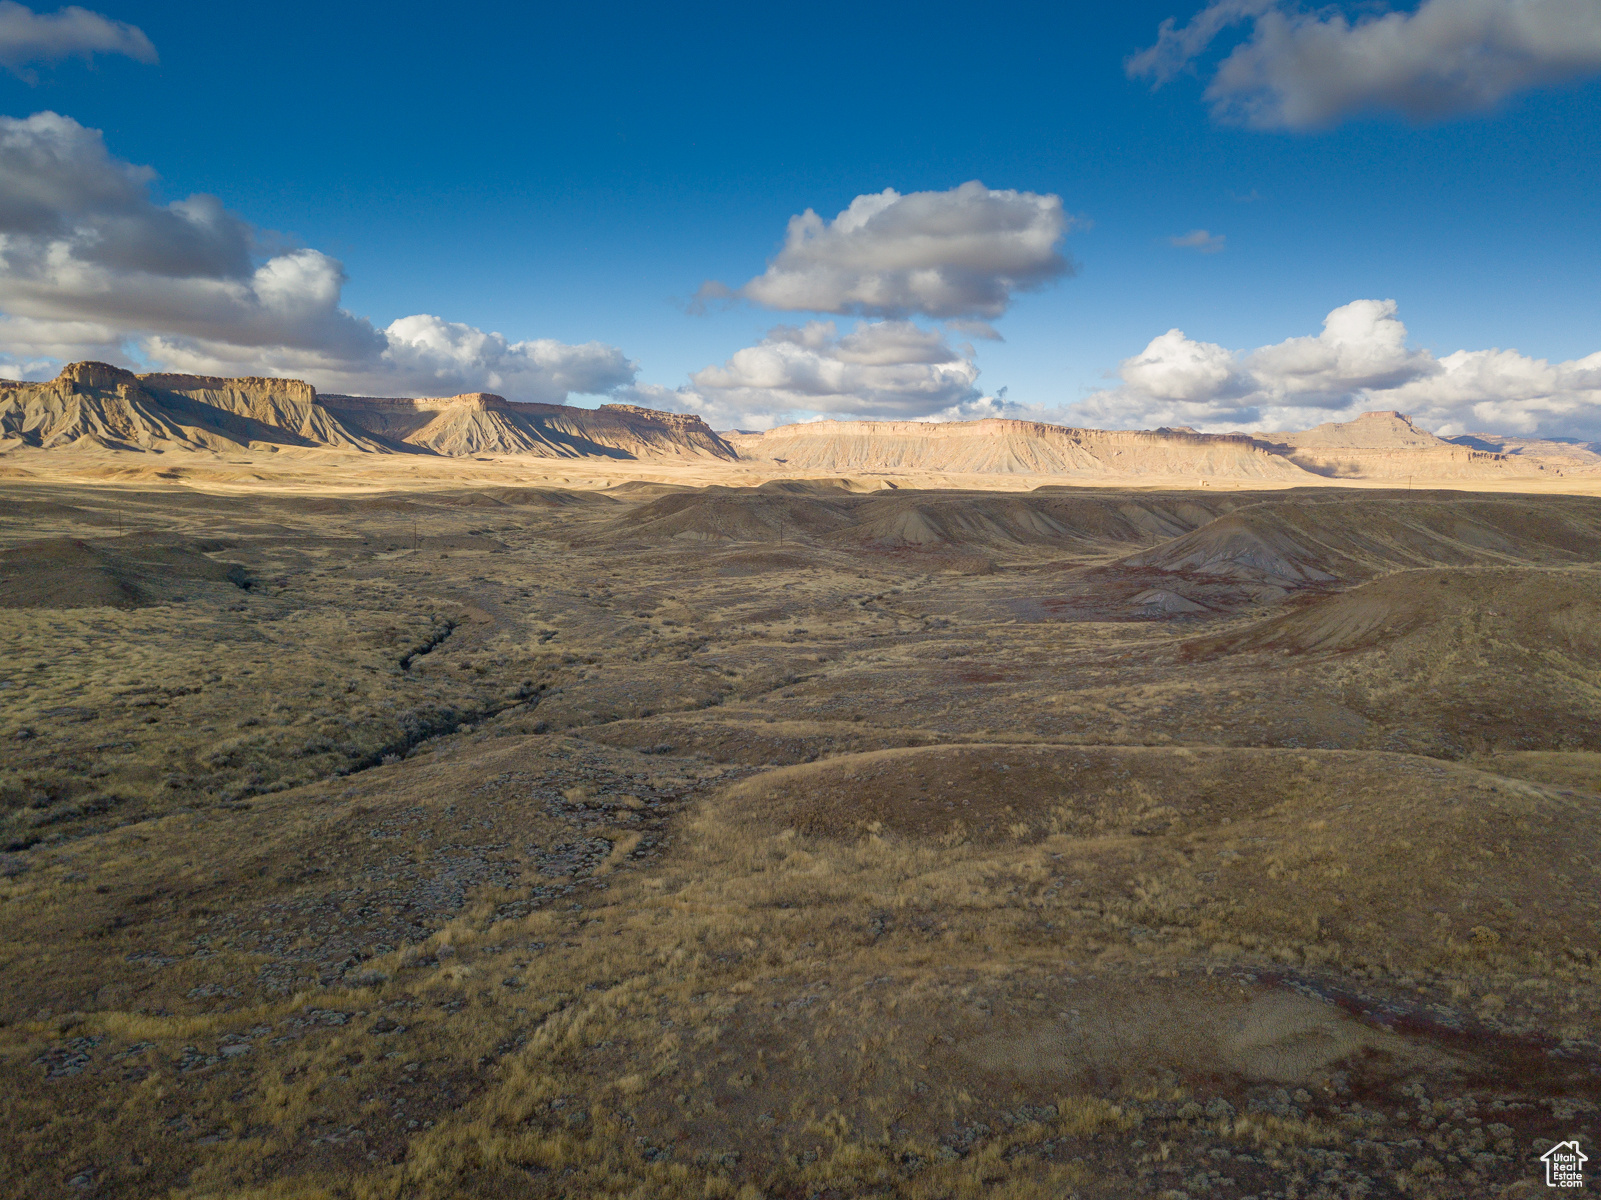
[1006,447]
[289,406]
[481,423]
[93,406]
[1386,445]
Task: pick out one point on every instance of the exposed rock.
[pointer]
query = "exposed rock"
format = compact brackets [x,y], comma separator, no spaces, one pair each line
[100,407]
[483,423]
[1006,447]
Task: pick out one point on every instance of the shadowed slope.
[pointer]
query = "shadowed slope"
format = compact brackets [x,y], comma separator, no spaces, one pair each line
[480,423]
[286,406]
[734,516]
[1442,650]
[94,406]
[128,573]
[1544,613]
[1039,518]
[919,520]
[1300,542]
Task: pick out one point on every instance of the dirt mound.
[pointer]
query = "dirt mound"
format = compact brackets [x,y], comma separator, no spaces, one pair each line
[1550,612]
[912,520]
[1157,602]
[1434,654]
[1301,542]
[131,573]
[548,497]
[1240,546]
[733,516]
[648,487]
[958,561]
[919,521]
[922,519]
[1383,850]
[819,487]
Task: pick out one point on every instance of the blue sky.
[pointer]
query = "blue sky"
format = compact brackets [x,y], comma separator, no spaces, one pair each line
[576,173]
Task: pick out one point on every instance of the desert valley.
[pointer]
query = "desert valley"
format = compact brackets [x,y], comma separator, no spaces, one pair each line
[465,798]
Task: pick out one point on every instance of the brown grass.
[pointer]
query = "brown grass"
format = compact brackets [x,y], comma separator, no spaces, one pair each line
[735,898]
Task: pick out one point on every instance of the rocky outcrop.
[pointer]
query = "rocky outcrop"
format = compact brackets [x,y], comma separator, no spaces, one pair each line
[90,405]
[481,423]
[95,406]
[1386,445]
[100,407]
[1370,431]
[997,446]
[288,406]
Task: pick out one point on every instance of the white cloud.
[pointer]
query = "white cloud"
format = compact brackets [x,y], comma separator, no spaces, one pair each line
[425,356]
[90,267]
[880,370]
[1502,391]
[1304,69]
[1177,46]
[962,253]
[29,37]
[1174,370]
[1201,240]
[1359,362]
[437,355]
[1362,349]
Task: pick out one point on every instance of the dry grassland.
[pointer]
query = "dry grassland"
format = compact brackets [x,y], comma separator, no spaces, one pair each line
[796,842]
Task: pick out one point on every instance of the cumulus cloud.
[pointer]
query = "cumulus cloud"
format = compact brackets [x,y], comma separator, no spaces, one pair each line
[30,37]
[422,356]
[880,370]
[1360,362]
[962,253]
[1303,69]
[1502,391]
[1201,240]
[91,267]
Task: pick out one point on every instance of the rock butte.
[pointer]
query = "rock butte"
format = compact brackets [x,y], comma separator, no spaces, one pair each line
[106,414]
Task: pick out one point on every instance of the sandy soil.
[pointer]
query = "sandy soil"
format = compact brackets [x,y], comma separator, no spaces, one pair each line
[333,473]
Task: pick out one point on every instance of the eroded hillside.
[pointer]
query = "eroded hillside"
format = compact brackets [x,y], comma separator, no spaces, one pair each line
[801,840]
[95,407]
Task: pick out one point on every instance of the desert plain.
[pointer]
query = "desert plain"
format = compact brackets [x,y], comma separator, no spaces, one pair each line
[406,810]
